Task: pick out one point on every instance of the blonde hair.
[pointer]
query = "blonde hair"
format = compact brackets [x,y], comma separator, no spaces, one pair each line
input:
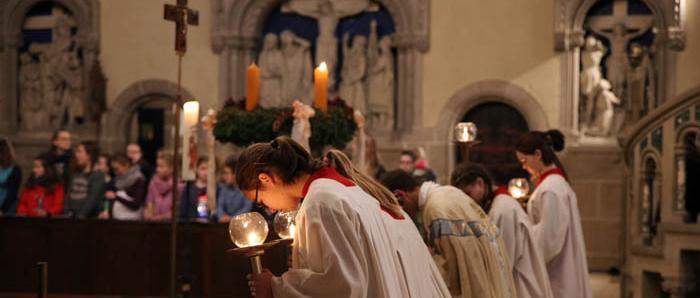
[341,162]
[166,157]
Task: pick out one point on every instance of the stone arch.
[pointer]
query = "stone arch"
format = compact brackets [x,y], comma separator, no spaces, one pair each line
[237,28]
[569,19]
[116,120]
[12,14]
[483,92]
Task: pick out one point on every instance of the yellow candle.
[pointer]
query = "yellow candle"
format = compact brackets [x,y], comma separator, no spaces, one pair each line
[321,87]
[252,87]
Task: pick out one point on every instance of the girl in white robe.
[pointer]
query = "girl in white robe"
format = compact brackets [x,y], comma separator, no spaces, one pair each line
[529,271]
[343,245]
[554,213]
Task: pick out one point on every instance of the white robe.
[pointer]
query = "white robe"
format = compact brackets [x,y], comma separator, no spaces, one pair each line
[343,248]
[557,230]
[423,278]
[529,271]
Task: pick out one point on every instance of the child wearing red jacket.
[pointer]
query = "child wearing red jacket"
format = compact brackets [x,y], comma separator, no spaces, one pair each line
[42,195]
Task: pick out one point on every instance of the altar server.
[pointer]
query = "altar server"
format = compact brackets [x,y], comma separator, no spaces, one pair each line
[553,210]
[342,246]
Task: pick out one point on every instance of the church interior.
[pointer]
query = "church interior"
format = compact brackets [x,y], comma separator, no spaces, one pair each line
[185,85]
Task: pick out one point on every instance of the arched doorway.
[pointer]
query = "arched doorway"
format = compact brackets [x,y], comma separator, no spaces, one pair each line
[148,123]
[499,126]
[143,114]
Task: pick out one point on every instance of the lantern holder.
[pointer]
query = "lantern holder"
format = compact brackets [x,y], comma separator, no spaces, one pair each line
[256,251]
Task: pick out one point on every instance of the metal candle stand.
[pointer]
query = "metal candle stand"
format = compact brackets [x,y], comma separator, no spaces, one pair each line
[255,252]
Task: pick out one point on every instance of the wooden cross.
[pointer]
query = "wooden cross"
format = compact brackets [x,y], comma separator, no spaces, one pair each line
[182,16]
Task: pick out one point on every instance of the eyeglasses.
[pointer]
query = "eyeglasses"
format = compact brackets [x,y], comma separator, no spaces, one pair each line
[258,201]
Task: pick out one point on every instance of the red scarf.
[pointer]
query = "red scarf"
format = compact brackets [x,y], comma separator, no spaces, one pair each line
[554,171]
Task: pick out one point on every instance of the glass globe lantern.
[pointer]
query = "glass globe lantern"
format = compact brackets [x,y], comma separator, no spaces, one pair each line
[285,225]
[519,188]
[465,132]
[248,229]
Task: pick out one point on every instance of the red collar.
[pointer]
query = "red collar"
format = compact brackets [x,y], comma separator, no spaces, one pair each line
[331,173]
[501,190]
[328,173]
[554,171]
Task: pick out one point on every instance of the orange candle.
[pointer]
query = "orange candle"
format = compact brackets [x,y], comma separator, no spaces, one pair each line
[321,87]
[252,87]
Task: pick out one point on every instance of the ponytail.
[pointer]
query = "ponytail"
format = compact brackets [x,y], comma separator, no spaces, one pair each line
[343,165]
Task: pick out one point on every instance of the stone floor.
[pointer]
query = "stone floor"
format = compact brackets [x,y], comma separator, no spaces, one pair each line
[605,285]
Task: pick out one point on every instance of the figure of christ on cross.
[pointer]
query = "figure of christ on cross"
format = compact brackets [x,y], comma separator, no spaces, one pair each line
[328,13]
[182,16]
[619,29]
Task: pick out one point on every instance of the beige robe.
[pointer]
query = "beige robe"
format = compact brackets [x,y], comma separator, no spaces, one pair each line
[470,251]
[529,271]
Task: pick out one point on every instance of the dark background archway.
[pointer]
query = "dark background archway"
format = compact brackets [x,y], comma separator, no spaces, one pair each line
[499,126]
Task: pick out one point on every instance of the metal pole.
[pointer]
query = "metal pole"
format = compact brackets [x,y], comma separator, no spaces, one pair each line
[176,173]
[256,264]
[43,288]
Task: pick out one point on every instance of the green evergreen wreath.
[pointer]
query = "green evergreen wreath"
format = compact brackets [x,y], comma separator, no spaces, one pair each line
[236,126]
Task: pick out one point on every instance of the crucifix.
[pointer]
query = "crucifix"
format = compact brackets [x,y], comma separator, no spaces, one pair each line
[182,16]
[619,29]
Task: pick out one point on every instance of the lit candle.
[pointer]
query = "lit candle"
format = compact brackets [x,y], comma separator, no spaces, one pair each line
[321,87]
[191,113]
[252,87]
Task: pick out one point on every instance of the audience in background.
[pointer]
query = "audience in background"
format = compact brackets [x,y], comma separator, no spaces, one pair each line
[160,195]
[133,151]
[129,190]
[407,163]
[230,201]
[194,198]
[102,165]
[60,155]
[85,192]
[42,195]
[10,179]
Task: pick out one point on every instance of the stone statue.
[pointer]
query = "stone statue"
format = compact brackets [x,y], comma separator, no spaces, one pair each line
[328,13]
[352,87]
[31,108]
[271,69]
[380,79]
[73,93]
[604,111]
[61,76]
[641,82]
[297,71]
[301,129]
[591,55]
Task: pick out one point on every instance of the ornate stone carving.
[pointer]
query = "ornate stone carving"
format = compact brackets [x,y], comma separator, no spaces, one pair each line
[237,27]
[296,71]
[328,13]
[271,64]
[352,87]
[380,80]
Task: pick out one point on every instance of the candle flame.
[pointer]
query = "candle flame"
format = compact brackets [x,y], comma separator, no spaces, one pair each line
[323,66]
